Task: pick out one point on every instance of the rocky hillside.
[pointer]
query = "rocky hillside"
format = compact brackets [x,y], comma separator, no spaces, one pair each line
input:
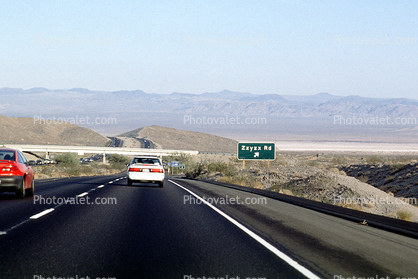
[399,179]
[315,179]
[169,138]
[24,130]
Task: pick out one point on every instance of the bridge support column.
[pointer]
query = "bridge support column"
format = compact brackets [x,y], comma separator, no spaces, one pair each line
[47,155]
[104,158]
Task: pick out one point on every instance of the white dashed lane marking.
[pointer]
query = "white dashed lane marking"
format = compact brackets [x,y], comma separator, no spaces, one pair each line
[45,212]
[36,216]
[82,195]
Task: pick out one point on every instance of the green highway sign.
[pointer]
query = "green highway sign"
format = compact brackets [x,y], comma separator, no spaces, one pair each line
[256,151]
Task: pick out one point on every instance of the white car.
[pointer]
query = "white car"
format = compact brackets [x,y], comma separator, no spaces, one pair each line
[148,169]
[49,161]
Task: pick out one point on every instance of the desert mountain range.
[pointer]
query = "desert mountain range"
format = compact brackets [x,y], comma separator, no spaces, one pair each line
[318,117]
[225,102]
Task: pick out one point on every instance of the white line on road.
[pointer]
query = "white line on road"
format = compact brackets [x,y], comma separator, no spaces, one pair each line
[101,186]
[273,249]
[36,216]
[82,194]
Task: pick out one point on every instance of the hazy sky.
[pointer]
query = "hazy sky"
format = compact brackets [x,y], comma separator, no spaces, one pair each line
[366,48]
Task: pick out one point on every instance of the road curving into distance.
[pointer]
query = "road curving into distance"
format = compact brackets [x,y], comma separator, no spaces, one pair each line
[99,227]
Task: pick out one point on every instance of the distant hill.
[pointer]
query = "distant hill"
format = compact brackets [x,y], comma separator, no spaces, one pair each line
[24,130]
[169,138]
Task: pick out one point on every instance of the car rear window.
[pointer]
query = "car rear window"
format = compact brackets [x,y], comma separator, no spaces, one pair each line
[7,155]
[151,161]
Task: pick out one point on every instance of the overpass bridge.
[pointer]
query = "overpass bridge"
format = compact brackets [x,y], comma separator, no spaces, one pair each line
[81,150]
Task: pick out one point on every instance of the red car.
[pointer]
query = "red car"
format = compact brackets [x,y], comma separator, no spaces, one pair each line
[15,173]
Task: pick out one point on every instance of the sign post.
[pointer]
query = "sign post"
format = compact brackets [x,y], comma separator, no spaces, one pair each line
[175,164]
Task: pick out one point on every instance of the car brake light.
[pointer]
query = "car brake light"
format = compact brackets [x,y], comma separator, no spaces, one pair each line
[134,169]
[157,170]
[9,168]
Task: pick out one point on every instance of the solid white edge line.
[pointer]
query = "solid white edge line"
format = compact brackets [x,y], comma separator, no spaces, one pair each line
[36,216]
[273,249]
[82,195]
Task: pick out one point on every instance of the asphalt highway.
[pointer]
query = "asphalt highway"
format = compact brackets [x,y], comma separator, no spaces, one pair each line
[97,227]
